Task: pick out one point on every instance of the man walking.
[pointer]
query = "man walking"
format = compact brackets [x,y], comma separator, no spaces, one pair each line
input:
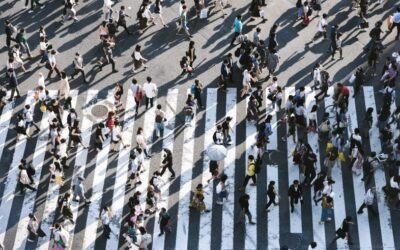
[13,82]
[369,198]
[244,209]
[150,91]
[295,193]
[33,5]
[122,19]
[78,67]
[396,22]
[163,220]
[28,115]
[237,26]
[251,173]
[344,231]
[9,30]
[79,191]
[109,57]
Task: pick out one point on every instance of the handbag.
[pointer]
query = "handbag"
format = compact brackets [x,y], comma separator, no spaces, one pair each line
[340,233]
[43,107]
[342,157]
[329,147]
[204,13]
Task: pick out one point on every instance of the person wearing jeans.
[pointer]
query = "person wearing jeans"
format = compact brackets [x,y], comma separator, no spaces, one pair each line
[159,120]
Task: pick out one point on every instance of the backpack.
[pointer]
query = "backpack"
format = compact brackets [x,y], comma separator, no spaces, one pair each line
[309,12]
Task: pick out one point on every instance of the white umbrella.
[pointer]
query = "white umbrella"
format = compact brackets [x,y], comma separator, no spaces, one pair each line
[216,152]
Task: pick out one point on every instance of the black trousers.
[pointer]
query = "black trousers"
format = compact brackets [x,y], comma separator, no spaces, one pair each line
[77,71]
[23,186]
[108,62]
[198,99]
[149,100]
[106,230]
[33,3]
[8,41]
[271,200]
[236,34]
[13,90]
[247,178]
[162,227]
[123,25]
[370,208]
[169,169]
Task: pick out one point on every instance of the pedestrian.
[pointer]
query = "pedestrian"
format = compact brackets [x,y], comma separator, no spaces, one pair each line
[196,91]
[30,170]
[117,137]
[198,200]
[272,62]
[23,42]
[317,76]
[224,76]
[28,117]
[78,67]
[51,64]
[396,22]
[327,209]
[158,13]
[137,92]
[13,83]
[191,53]
[118,92]
[34,229]
[79,191]
[109,57]
[150,91]
[218,136]
[299,6]
[75,136]
[295,193]
[60,237]
[141,141]
[321,27]
[18,62]
[272,194]
[163,220]
[167,163]
[189,110]
[251,173]
[33,2]
[145,239]
[359,80]
[222,189]
[122,19]
[65,209]
[246,82]
[159,120]
[107,9]
[344,231]
[183,21]
[106,217]
[226,129]
[9,30]
[135,169]
[24,181]
[237,26]
[138,59]
[69,11]
[244,209]
[252,110]
[368,202]
[272,41]
[291,121]
[64,90]
[186,68]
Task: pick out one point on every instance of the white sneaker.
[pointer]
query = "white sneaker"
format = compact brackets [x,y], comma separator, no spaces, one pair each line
[30,11]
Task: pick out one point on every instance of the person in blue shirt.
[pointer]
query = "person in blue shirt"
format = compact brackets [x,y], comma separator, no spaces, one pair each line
[237,26]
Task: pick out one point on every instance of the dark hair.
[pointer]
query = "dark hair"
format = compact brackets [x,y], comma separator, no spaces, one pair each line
[149,79]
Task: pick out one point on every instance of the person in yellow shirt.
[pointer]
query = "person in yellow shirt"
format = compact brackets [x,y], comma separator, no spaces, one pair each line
[251,173]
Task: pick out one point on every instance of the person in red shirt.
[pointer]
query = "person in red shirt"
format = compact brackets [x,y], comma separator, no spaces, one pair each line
[343,95]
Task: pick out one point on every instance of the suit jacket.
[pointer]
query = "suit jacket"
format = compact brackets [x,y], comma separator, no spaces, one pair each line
[292,193]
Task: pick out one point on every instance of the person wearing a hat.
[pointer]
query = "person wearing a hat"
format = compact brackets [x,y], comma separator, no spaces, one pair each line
[369,198]
[295,192]
[344,231]
[271,193]
[79,190]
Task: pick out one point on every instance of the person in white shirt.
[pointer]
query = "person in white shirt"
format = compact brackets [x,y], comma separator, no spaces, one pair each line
[141,141]
[321,28]
[60,237]
[150,91]
[116,137]
[40,82]
[18,62]
[138,59]
[64,90]
[106,216]
[247,78]
[256,36]
[28,115]
[317,75]
[135,170]
[78,67]
[145,240]
[53,64]
[396,22]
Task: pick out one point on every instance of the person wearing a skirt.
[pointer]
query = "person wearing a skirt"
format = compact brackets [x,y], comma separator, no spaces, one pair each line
[138,59]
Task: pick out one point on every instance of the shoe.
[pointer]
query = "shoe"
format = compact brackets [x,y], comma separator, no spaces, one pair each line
[292,210]
[42,7]
[30,11]
[360,212]
[172,177]
[160,234]
[115,71]
[252,223]
[267,210]
[253,184]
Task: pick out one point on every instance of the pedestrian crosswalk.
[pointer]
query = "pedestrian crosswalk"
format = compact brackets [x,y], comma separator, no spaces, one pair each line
[106,174]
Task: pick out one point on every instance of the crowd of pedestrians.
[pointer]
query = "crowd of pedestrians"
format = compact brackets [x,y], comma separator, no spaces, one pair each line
[253,60]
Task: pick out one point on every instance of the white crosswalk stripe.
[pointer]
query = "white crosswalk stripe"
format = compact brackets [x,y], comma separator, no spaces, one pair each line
[347,196]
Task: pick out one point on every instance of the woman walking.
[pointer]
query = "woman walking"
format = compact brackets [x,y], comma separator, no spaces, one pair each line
[34,229]
[157,13]
[138,59]
[191,53]
[64,90]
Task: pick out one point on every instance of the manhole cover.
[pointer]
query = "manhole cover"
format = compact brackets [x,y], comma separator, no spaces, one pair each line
[99,110]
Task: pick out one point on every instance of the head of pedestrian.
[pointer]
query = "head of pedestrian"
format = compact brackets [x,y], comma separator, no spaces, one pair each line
[274,79]
[313,245]
[219,128]
[149,79]
[27,106]
[258,29]
[138,48]
[199,186]
[246,197]
[53,52]
[142,230]
[330,181]
[296,182]
[7,22]
[239,17]
[184,7]
[134,81]
[250,158]
[31,216]
[272,183]
[268,119]
[77,54]
[159,106]
[357,131]
[104,23]
[122,7]
[324,15]
[349,218]
[226,62]
[228,119]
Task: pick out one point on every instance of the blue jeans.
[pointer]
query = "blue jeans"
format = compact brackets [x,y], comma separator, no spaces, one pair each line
[326,212]
[159,128]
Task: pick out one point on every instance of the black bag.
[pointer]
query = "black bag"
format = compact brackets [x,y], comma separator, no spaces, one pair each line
[309,12]
[340,233]
[257,166]
[364,25]
[158,118]
[31,170]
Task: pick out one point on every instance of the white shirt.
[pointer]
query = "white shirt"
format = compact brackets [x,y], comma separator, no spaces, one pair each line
[52,60]
[246,77]
[41,81]
[134,165]
[150,89]
[134,88]
[105,217]
[61,234]
[116,133]
[141,141]
[137,55]
[321,24]
[43,45]
[147,13]
[317,74]
[28,115]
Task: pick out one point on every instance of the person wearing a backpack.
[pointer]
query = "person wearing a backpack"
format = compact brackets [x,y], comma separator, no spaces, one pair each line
[163,220]
[251,173]
[159,120]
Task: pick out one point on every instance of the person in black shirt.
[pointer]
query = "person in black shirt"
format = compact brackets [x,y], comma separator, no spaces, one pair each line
[244,207]
[122,20]
[99,137]
[167,163]
[163,220]
[9,32]
[344,231]
[295,193]
[271,193]
[226,129]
